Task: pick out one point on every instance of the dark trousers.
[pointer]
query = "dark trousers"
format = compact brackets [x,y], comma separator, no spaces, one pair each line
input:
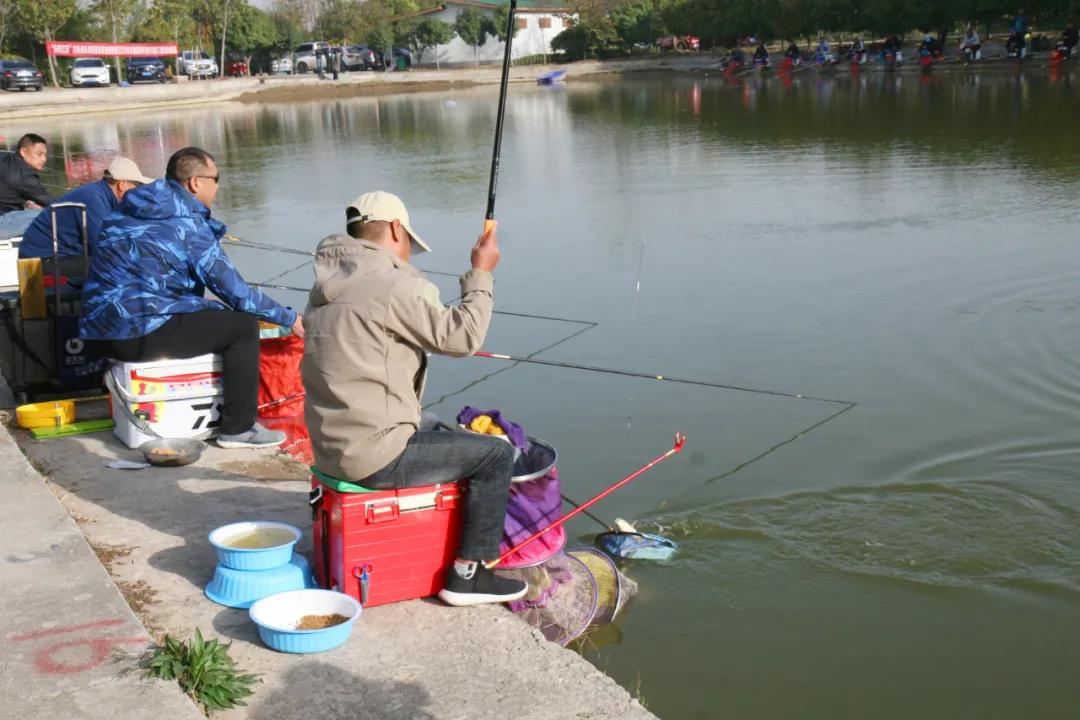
[441,456]
[233,335]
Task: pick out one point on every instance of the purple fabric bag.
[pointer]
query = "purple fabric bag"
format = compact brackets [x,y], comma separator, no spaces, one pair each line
[533,505]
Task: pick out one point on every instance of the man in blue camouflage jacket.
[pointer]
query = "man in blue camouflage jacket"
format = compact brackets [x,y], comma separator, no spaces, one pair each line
[144,296]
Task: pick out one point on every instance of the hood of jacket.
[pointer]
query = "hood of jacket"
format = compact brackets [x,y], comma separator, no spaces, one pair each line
[165,200]
[341,261]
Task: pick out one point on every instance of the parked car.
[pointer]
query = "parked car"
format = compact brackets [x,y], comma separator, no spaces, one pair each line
[281,66]
[89,71]
[401,59]
[144,70]
[360,57]
[236,68]
[20,74]
[196,63]
[304,55]
[679,42]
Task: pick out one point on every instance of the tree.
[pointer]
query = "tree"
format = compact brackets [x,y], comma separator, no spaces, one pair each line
[253,31]
[115,14]
[7,18]
[497,24]
[383,23]
[41,19]
[376,27]
[290,12]
[426,33]
[472,27]
[338,19]
[637,21]
[166,21]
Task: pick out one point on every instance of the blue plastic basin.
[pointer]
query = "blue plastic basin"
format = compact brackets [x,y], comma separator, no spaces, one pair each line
[252,558]
[278,615]
[241,588]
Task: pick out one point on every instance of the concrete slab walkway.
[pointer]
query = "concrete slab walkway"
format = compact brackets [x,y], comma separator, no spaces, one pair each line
[417,659]
[69,643]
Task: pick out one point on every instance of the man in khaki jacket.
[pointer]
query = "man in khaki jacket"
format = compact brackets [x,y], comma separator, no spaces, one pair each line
[371,319]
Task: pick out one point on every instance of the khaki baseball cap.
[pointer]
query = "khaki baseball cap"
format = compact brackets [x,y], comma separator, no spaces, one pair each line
[123,169]
[385,207]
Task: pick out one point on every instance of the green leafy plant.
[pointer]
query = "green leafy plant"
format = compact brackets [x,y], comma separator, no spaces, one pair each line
[204,670]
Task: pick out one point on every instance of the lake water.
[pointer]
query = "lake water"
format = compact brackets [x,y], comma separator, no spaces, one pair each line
[908,244]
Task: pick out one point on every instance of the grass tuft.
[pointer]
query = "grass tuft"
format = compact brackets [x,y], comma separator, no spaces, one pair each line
[203,669]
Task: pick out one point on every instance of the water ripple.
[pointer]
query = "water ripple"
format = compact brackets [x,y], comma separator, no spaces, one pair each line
[963,535]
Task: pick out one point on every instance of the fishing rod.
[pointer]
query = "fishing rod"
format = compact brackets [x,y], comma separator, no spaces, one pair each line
[680,441]
[504,83]
[652,376]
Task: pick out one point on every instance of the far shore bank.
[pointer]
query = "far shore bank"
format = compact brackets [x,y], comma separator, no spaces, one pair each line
[53,102]
[299,88]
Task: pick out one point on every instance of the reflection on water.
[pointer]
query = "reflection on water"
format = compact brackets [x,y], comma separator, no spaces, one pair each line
[904,241]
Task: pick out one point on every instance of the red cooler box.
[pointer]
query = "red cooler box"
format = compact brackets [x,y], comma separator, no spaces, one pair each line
[382,547]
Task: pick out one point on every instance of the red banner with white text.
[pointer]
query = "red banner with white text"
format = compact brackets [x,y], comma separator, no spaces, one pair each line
[62,48]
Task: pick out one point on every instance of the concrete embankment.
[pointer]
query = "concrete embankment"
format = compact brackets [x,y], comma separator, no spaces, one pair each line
[71,101]
[62,616]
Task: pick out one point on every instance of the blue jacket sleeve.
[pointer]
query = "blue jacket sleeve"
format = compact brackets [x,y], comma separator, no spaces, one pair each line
[97,209]
[216,271]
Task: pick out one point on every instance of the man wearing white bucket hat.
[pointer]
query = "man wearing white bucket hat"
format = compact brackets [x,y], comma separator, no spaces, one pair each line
[371,320]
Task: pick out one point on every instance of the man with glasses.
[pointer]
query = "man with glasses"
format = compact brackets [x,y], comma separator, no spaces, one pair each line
[144,296]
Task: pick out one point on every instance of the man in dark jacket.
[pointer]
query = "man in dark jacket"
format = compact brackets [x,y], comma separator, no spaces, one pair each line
[1071,37]
[101,198]
[21,193]
[144,297]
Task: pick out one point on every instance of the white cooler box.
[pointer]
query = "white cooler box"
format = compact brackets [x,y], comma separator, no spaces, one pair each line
[165,398]
[9,262]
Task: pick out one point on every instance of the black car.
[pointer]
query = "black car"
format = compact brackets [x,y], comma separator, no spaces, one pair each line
[145,70]
[20,74]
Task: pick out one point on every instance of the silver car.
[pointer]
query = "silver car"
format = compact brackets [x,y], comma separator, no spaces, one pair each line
[304,56]
[281,66]
[196,63]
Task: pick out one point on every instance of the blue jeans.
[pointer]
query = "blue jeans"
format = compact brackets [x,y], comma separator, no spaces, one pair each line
[15,222]
[440,456]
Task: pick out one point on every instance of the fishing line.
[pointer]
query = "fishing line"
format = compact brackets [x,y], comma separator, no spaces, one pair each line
[588,323]
[290,270]
[484,378]
[805,431]
[233,240]
[666,378]
[847,404]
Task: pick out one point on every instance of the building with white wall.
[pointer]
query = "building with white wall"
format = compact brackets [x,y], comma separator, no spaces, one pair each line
[538,21]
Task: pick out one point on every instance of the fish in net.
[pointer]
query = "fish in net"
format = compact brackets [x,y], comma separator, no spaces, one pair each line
[570,591]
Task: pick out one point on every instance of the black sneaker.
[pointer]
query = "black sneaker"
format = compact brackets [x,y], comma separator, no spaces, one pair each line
[483,587]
